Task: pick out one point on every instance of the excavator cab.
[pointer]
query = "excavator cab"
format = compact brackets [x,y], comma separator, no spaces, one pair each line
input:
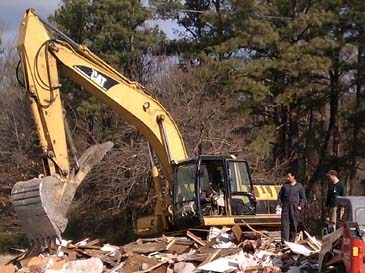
[212,190]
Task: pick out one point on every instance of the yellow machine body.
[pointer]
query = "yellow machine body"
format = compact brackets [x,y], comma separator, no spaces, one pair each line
[42,203]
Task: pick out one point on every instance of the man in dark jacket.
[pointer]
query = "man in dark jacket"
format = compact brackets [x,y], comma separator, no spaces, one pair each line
[335,188]
[292,201]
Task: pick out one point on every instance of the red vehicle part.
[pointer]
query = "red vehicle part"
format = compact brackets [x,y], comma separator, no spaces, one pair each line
[352,248]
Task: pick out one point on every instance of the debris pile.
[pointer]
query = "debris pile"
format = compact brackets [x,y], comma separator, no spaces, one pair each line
[223,250]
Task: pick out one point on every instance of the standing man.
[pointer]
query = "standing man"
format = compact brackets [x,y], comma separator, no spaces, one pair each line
[292,201]
[335,188]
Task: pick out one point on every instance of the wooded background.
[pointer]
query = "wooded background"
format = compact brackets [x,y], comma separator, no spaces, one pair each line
[278,83]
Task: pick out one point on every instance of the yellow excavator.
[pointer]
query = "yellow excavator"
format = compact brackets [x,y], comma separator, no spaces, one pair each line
[205,191]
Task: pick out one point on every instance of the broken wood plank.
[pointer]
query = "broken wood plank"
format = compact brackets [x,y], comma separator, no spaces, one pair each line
[195,238]
[145,248]
[299,249]
[173,241]
[195,257]
[253,268]
[93,242]
[178,249]
[211,256]
[314,241]
[139,263]
[153,268]
[237,231]
[71,253]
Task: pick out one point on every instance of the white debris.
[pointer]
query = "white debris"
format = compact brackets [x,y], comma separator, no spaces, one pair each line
[182,267]
[220,265]
[92,265]
[109,248]
[213,233]
[245,260]
[299,249]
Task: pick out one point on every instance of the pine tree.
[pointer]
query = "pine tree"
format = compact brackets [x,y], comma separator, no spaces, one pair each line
[118,30]
[283,60]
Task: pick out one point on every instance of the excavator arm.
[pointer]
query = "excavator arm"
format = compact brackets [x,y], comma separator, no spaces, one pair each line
[41,203]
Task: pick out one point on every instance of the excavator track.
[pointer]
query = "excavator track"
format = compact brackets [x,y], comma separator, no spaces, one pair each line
[37,205]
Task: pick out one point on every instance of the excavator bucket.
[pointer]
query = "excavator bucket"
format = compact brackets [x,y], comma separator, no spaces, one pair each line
[37,205]
[41,204]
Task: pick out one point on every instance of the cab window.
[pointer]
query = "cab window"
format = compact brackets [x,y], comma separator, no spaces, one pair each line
[212,188]
[185,191]
[241,188]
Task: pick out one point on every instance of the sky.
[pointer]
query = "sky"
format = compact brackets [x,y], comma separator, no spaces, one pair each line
[12,11]
[11,14]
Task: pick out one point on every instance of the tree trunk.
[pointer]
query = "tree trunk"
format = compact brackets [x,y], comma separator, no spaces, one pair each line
[333,104]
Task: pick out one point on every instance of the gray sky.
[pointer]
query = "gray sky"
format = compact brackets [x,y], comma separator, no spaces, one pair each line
[12,11]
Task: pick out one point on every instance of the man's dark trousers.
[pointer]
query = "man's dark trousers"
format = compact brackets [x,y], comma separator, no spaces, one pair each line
[289,222]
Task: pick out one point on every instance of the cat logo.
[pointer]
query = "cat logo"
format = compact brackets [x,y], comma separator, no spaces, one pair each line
[103,81]
[98,78]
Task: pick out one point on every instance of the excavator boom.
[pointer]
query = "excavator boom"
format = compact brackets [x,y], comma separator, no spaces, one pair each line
[42,203]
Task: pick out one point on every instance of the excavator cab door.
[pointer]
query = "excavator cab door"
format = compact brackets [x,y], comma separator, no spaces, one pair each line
[225,187]
[241,198]
[186,211]
[199,190]
[212,186]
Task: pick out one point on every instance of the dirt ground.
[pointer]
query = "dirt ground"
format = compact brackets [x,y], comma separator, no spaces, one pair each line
[5,258]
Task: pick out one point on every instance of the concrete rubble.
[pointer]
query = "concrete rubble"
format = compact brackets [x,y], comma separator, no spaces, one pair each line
[216,250]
